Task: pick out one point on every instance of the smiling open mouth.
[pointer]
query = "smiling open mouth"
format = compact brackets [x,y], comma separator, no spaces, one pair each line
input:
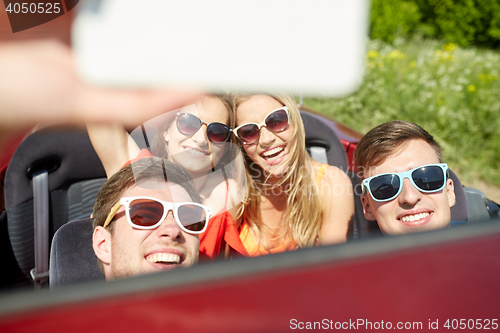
[194,151]
[272,154]
[164,258]
[414,218]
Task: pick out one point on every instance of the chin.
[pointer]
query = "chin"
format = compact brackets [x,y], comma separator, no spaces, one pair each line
[279,170]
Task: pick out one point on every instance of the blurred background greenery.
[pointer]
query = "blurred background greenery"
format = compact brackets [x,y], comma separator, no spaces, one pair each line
[464,22]
[436,63]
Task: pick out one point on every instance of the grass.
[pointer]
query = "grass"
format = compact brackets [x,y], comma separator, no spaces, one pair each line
[451,92]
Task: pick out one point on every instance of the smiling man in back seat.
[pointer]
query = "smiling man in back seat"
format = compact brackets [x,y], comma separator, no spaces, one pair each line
[147,218]
[405,183]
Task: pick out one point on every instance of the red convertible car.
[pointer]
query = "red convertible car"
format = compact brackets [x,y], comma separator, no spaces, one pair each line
[442,280]
[445,280]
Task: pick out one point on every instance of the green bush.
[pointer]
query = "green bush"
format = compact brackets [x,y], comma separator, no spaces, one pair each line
[454,20]
[393,18]
[489,26]
[464,22]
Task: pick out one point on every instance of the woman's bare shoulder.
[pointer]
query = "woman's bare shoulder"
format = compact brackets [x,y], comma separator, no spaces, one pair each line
[331,174]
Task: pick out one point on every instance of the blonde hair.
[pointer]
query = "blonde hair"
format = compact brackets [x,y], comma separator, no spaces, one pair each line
[302,219]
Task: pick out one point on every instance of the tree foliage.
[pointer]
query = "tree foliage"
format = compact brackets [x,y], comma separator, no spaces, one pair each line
[464,22]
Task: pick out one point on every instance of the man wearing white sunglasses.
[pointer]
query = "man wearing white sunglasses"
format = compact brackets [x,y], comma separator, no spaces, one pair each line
[147,218]
[405,183]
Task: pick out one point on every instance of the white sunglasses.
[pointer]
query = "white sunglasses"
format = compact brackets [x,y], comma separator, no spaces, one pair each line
[276,121]
[149,213]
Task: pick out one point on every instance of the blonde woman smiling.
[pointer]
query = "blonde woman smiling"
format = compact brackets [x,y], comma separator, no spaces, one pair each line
[294,201]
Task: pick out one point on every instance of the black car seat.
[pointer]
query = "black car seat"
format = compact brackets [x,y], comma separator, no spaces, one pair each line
[459,211]
[53,177]
[324,145]
[72,258]
[322,142]
[480,207]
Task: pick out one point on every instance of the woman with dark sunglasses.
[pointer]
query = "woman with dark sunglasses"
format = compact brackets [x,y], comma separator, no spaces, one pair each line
[294,201]
[197,137]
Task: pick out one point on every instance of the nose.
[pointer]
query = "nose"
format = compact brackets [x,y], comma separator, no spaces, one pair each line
[409,194]
[200,135]
[266,136]
[169,228]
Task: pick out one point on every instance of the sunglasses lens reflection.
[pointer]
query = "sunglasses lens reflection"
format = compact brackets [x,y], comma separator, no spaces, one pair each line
[249,133]
[145,213]
[192,217]
[188,124]
[384,187]
[277,121]
[217,132]
[429,178]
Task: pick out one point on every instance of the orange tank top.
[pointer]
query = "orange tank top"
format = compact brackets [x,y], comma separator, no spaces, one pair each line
[254,249]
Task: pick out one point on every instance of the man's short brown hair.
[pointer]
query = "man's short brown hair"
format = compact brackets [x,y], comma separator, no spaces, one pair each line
[386,140]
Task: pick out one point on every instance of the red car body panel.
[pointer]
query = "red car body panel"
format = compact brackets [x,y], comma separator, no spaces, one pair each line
[413,280]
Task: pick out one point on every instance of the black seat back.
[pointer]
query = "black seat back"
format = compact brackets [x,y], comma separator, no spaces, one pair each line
[322,142]
[324,145]
[74,175]
[72,258]
[459,211]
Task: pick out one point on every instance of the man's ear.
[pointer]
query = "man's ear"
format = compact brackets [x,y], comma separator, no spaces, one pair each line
[101,242]
[450,188]
[367,208]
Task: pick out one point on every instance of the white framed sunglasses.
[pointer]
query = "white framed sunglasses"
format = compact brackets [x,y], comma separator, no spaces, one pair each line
[428,178]
[276,121]
[149,213]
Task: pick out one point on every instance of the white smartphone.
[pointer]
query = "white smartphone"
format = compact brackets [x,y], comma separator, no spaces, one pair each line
[313,47]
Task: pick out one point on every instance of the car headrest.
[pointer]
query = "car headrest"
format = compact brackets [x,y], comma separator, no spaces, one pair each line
[459,211]
[66,153]
[319,134]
